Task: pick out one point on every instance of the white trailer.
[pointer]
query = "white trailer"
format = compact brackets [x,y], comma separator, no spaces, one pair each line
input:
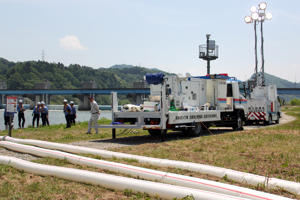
[189,104]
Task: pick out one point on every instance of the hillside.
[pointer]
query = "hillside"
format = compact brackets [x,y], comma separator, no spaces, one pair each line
[24,75]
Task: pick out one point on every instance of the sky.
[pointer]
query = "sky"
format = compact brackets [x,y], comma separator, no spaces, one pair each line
[163,34]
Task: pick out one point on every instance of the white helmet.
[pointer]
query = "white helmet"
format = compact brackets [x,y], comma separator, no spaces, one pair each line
[71,102]
[43,103]
[20,101]
[39,103]
[65,101]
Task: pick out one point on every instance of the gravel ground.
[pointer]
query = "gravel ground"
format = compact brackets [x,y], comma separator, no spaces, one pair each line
[24,156]
[135,140]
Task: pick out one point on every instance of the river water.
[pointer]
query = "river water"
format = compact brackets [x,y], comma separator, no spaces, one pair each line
[55,117]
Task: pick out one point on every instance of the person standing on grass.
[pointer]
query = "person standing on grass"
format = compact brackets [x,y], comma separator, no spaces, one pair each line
[36,114]
[6,118]
[94,115]
[44,114]
[21,116]
[73,112]
[67,112]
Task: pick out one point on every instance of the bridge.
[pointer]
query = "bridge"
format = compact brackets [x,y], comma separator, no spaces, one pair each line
[104,91]
[294,91]
[107,91]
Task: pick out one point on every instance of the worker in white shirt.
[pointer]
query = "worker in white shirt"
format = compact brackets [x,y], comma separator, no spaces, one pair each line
[94,115]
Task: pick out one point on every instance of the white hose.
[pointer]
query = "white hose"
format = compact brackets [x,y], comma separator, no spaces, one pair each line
[148,174]
[113,182]
[242,177]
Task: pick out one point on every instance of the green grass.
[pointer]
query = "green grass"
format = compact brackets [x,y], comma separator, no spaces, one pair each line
[58,133]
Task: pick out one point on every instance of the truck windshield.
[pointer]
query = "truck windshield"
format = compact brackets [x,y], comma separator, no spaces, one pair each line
[242,89]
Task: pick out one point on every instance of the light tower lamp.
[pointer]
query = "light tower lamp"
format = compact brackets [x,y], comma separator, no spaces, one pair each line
[259,15]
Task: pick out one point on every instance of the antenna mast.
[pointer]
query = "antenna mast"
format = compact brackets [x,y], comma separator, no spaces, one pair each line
[208,51]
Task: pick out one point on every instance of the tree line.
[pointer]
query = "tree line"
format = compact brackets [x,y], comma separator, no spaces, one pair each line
[24,75]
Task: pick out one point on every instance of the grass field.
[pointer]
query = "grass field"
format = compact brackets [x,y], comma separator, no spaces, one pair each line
[273,151]
[58,133]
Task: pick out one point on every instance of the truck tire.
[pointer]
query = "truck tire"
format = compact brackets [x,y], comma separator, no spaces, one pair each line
[239,124]
[269,122]
[155,131]
[277,121]
[197,130]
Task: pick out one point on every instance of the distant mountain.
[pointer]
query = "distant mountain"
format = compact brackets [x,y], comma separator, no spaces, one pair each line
[131,73]
[279,82]
[24,75]
[122,66]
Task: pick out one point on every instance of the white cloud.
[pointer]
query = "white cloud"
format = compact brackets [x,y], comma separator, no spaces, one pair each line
[71,42]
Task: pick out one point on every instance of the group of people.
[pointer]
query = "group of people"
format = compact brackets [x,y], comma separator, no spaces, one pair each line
[41,111]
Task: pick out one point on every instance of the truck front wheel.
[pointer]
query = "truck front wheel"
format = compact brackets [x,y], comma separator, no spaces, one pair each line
[239,124]
[197,130]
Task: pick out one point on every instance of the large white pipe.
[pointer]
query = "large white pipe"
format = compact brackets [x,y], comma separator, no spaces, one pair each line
[147,174]
[113,182]
[242,177]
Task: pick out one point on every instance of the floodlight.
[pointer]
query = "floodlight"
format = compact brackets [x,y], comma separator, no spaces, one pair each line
[248,19]
[269,16]
[253,9]
[263,6]
[255,16]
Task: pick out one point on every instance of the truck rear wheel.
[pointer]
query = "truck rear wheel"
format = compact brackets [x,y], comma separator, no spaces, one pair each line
[269,122]
[197,130]
[239,124]
[277,121]
[155,131]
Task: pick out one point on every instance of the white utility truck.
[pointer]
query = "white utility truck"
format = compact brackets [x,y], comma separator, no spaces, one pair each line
[189,104]
[263,105]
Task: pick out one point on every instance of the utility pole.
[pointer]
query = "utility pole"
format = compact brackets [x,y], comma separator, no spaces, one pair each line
[43,55]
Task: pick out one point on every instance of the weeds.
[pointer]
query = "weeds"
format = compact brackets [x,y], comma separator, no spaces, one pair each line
[225,178]
[4,169]
[130,160]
